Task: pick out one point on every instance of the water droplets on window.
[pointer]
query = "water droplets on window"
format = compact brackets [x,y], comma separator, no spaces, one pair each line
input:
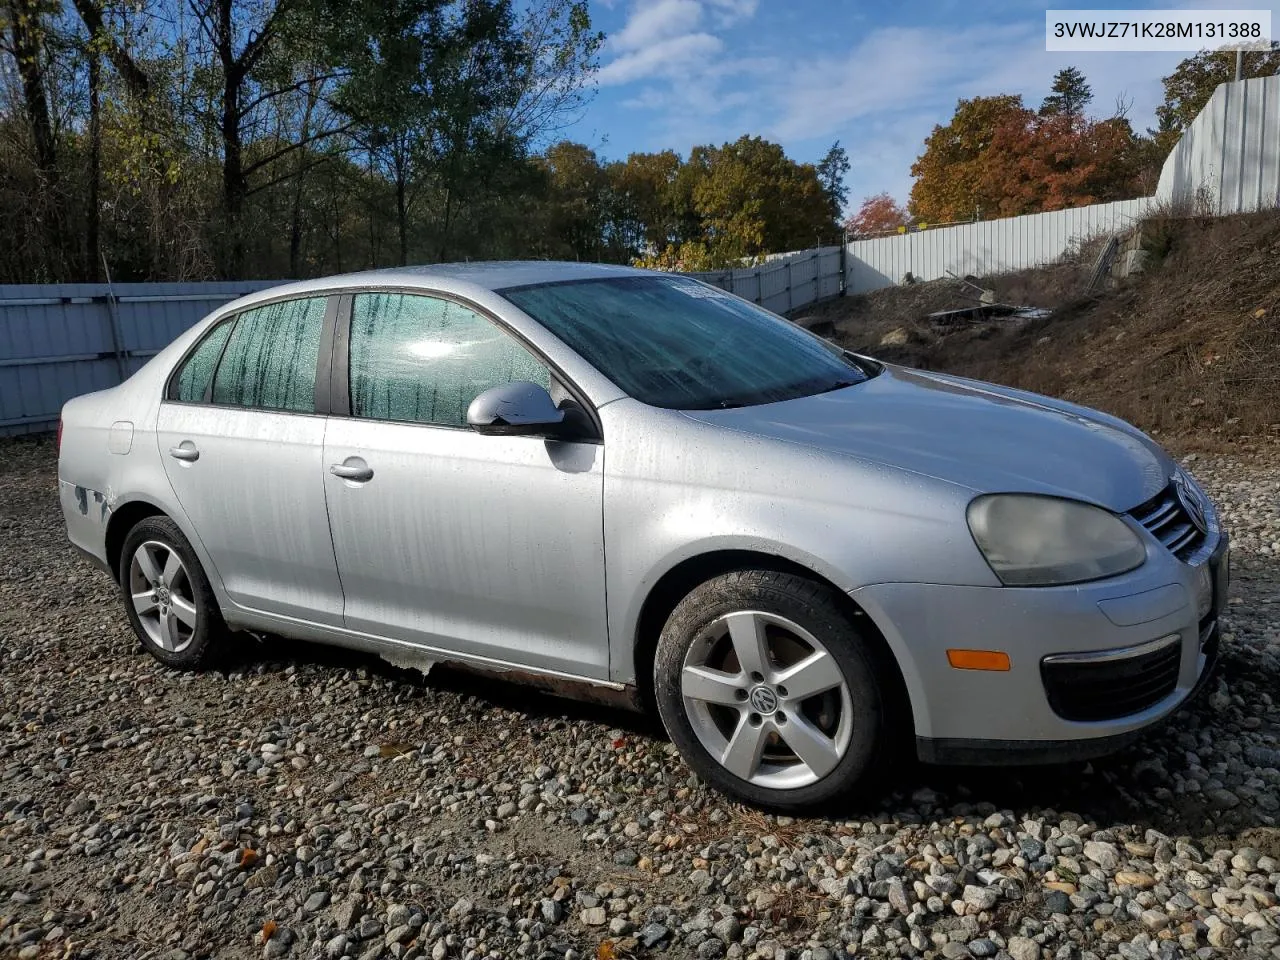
[424,359]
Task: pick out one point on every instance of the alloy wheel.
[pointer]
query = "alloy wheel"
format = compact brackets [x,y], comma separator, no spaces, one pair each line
[767,700]
[162,596]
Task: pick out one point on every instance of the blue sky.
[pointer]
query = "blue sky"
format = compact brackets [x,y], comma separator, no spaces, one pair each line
[875,75]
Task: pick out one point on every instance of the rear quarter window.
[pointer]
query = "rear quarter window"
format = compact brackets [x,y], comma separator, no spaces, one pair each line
[196,373]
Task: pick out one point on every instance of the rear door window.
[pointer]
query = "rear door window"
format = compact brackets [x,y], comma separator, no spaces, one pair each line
[270,359]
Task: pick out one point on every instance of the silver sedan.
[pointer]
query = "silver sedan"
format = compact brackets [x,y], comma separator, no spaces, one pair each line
[629,484]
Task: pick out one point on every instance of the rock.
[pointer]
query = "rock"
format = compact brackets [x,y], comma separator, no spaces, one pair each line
[1104,855]
[728,929]
[625,858]
[593,916]
[711,949]
[1154,920]
[347,913]
[316,902]
[1055,901]
[898,896]
[1023,948]
[897,337]
[651,934]
[980,898]
[1130,878]
[551,910]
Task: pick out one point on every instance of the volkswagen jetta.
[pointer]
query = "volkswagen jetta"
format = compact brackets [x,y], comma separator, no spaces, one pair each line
[603,478]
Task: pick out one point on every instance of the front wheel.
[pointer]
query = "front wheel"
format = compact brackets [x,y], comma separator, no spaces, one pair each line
[770,692]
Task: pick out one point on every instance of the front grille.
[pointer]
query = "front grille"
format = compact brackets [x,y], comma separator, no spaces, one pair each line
[1168,520]
[1092,687]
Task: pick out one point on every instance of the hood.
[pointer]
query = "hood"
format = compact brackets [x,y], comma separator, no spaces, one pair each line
[988,438]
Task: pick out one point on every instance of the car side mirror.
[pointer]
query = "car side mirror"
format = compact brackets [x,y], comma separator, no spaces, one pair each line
[519,408]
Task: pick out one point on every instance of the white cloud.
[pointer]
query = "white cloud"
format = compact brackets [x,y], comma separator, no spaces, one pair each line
[667,39]
[659,59]
[730,12]
[655,22]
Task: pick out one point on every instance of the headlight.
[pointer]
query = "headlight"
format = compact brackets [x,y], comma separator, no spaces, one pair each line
[1034,541]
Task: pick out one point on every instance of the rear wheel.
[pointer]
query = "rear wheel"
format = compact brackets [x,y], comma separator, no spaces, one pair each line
[770,692]
[167,596]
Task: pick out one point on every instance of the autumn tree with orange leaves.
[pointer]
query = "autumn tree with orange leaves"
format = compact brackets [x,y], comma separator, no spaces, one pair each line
[1041,163]
[877,216]
[999,158]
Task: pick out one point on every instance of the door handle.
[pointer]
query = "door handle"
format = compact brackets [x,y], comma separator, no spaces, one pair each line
[185,451]
[359,471]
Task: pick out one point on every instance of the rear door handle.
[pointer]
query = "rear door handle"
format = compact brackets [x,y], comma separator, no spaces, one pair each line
[353,468]
[185,451]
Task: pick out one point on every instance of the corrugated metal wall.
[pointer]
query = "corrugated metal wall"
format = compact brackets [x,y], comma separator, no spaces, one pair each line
[1229,157]
[60,340]
[785,283]
[983,248]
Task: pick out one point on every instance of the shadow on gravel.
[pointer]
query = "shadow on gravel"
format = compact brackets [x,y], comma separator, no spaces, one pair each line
[246,653]
[1140,785]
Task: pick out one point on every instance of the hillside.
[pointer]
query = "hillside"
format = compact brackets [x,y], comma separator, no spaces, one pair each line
[1189,350]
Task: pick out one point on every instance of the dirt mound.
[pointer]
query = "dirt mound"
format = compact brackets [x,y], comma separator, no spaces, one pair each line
[1188,350]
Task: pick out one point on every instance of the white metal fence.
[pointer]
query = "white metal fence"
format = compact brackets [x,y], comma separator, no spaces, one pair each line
[1228,157]
[983,248]
[786,283]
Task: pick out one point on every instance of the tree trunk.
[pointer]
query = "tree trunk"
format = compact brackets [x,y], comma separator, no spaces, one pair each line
[93,217]
[402,218]
[295,229]
[233,182]
[448,220]
[373,222]
[27,36]
[234,187]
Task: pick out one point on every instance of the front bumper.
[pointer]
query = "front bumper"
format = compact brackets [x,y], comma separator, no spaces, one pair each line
[981,717]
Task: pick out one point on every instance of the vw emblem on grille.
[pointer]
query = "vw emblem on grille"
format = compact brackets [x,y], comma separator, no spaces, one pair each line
[1191,502]
[764,700]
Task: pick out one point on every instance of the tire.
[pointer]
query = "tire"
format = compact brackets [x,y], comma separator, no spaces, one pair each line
[736,730]
[176,616]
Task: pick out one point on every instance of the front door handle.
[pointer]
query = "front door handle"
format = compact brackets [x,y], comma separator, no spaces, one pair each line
[186,450]
[353,468]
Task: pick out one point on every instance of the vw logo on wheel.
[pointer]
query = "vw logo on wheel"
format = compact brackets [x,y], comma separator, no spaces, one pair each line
[1191,502]
[764,700]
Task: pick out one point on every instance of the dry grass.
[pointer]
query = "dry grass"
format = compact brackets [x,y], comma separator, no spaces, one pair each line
[1189,350]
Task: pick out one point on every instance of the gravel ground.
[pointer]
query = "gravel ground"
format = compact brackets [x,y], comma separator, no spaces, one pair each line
[307,802]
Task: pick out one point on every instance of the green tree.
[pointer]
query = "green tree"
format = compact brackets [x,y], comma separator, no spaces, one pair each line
[578,202]
[832,170]
[650,211]
[753,200]
[1071,94]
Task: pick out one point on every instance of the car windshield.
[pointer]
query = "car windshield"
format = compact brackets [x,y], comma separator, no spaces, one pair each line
[674,342]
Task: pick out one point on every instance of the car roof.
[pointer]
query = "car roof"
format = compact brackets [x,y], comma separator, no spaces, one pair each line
[459,278]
